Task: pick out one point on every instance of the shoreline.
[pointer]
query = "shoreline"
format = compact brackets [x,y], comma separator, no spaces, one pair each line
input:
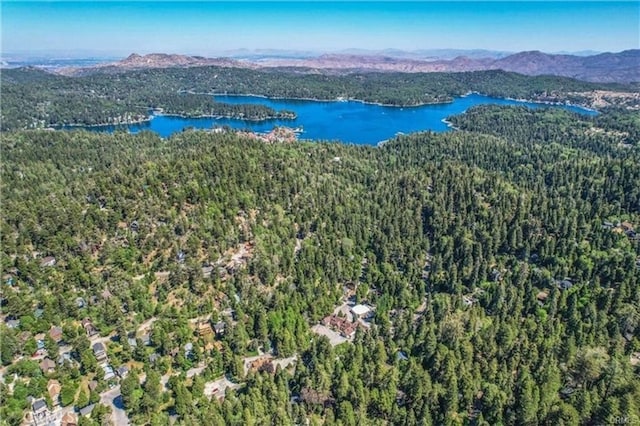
[163,114]
[230,117]
[338,99]
[451,100]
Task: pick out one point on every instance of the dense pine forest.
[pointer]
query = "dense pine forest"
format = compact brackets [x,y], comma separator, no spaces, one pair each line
[501,261]
[32,98]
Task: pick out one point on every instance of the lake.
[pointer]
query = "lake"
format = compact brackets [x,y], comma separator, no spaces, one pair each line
[350,121]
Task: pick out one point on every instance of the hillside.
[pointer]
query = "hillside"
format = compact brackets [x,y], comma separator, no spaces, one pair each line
[622,67]
[495,269]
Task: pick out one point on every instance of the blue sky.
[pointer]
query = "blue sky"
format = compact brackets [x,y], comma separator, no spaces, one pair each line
[207,28]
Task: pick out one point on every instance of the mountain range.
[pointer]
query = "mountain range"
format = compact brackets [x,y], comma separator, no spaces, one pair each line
[621,67]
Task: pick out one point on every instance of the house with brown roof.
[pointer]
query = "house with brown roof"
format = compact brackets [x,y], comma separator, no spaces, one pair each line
[55,333]
[47,366]
[48,261]
[263,364]
[341,325]
[542,297]
[69,419]
[204,329]
[53,388]
[88,326]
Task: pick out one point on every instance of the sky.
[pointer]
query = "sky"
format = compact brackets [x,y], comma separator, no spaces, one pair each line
[209,28]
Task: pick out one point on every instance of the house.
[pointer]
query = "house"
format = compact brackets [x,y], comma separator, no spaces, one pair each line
[40,410]
[401,356]
[55,333]
[132,342]
[65,358]
[86,411]
[100,351]
[342,325]
[360,311]
[206,271]
[47,366]
[53,388]
[48,261]
[135,227]
[542,297]
[122,371]
[219,328]
[12,323]
[88,326]
[627,226]
[312,396]
[146,339]
[262,364]
[565,284]
[69,419]
[204,329]
[108,372]
[188,349]
[496,275]
[93,384]
[468,300]
[106,294]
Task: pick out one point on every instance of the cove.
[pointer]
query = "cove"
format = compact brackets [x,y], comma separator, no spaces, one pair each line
[344,121]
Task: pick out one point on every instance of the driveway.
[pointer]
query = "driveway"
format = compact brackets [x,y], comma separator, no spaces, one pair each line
[113,399]
[334,338]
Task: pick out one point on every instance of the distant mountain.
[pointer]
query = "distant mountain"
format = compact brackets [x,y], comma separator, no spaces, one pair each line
[622,67]
[156,60]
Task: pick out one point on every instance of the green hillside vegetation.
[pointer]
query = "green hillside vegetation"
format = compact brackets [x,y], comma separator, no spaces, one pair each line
[501,260]
[33,98]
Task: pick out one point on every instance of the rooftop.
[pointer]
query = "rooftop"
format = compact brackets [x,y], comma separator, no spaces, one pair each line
[360,310]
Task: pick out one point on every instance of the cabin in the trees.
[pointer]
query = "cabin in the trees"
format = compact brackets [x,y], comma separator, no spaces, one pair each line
[89,328]
[47,366]
[108,372]
[204,329]
[542,297]
[55,333]
[12,322]
[86,411]
[100,351]
[146,339]
[53,389]
[48,261]
[40,410]
[69,419]
[220,328]
[122,371]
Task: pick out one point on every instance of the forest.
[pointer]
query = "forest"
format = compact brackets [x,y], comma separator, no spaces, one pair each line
[34,98]
[502,261]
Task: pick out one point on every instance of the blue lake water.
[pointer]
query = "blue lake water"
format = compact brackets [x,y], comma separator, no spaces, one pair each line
[351,121]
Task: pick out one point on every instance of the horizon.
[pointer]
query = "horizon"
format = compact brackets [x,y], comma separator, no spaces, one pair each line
[117,29]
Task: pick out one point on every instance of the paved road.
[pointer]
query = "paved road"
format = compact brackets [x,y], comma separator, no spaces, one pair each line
[113,399]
